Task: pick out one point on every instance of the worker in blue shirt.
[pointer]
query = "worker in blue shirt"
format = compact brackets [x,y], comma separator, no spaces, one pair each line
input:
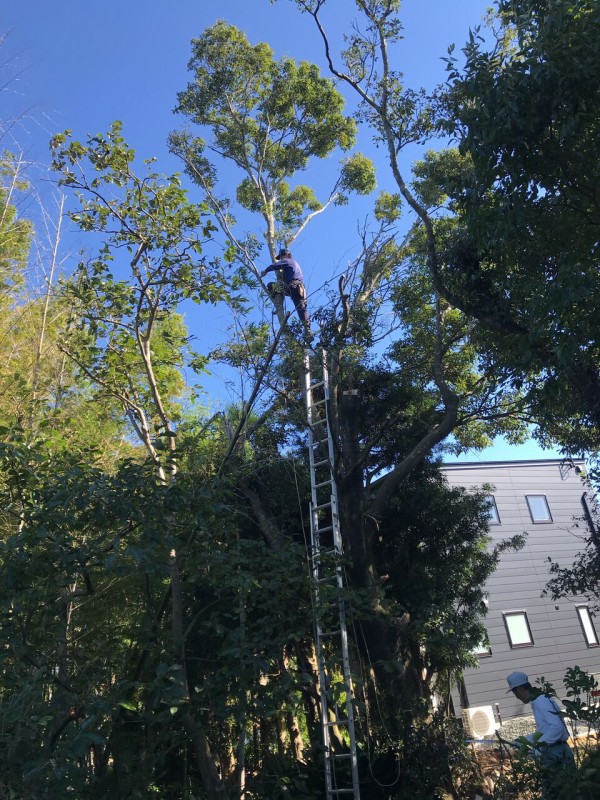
[290,283]
[552,745]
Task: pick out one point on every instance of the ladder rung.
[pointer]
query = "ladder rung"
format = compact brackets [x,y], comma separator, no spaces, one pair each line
[342,755]
[321,463]
[331,633]
[328,482]
[316,385]
[337,724]
[342,791]
[324,530]
[323,505]
[317,403]
[332,551]
[328,579]
[328,551]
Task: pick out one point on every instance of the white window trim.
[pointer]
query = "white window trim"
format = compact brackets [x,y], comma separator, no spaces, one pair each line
[517,613]
[587,625]
[539,521]
[493,505]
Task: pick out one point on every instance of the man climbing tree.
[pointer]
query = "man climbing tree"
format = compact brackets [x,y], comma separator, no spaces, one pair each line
[289,283]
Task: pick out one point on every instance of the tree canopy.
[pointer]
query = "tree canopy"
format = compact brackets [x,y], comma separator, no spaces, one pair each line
[156,597]
[523,258]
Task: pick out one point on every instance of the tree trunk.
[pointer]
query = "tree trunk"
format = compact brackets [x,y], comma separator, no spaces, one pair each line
[213,785]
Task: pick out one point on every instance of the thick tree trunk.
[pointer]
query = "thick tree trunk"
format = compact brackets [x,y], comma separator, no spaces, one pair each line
[213,785]
[383,637]
[307,663]
[352,493]
[292,724]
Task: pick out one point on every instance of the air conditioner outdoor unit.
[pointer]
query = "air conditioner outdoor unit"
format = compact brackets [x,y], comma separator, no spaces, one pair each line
[479,722]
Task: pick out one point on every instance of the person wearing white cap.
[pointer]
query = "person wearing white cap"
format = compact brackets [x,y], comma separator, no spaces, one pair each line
[554,749]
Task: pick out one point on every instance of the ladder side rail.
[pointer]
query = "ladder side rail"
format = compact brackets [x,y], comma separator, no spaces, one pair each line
[347,673]
[340,582]
[316,574]
[319,644]
[319,570]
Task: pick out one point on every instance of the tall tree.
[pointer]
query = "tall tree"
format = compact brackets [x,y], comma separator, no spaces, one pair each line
[271,119]
[130,340]
[134,344]
[15,231]
[231,679]
[388,414]
[430,381]
[523,258]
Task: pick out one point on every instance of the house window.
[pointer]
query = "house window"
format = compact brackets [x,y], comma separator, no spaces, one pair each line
[538,508]
[587,626]
[493,516]
[482,650]
[517,628]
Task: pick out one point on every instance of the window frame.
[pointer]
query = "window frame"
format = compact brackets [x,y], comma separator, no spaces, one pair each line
[493,506]
[483,651]
[535,521]
[517,613]
[584,610]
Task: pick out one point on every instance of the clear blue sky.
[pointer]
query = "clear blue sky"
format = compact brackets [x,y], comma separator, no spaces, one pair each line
[80,65]
[84,64]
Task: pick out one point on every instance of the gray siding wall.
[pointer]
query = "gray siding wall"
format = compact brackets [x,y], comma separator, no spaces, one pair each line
[520,579]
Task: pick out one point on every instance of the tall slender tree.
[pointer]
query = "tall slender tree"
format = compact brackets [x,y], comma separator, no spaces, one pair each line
[434,375]
[271,119]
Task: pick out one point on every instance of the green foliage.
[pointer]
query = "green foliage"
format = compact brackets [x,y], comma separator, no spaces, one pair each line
[244,95]
[15,231]
[439,175]
[579,705]
[580,578]
[127,336]
[387,207]
[524,256]
[358,175]
[437,561]
[271,119]
[39,391]
[90,686]
[431,762]
[474,381]
[100,693]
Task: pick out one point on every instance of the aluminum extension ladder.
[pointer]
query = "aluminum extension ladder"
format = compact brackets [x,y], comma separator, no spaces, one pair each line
[335,679]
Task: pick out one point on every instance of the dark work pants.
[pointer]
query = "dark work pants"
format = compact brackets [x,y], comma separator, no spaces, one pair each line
[556,761]
[297,291]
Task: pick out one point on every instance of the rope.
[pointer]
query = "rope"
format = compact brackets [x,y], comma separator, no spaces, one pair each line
[369,737]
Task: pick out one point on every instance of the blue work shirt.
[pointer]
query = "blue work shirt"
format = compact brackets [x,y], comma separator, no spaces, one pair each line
[548,720]
[290,268]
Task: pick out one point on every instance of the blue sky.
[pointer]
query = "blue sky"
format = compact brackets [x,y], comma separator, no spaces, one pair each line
[80,65]
[83,64]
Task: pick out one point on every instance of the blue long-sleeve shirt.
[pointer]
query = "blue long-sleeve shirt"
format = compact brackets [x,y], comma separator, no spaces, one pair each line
[548,720]
[290,269]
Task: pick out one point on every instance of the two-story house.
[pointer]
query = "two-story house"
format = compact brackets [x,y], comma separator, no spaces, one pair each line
[550,501]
